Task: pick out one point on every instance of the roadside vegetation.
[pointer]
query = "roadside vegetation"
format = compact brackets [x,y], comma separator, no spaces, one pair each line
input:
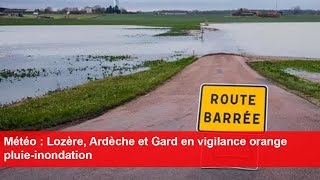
[88,100]
[275,70]
[179,24]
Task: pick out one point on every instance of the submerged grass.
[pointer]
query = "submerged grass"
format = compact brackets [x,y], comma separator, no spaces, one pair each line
[19,73]
[275,71]
[88,100]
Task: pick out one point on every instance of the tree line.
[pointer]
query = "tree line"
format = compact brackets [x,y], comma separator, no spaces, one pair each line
[297,10]
[75,10]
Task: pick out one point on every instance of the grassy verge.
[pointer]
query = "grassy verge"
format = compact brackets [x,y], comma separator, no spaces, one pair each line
[178,23]
[87,100]
[274,71]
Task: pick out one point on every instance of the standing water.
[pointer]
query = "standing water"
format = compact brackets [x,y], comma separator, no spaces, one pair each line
[35,60]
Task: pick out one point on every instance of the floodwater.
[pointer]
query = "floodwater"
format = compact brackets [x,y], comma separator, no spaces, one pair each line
[310,76]
[35,60]
[275,39]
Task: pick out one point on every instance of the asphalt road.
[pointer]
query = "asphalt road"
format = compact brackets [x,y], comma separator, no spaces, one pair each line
[173,106]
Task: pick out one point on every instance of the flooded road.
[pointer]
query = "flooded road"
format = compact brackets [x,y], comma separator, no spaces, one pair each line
[35,60]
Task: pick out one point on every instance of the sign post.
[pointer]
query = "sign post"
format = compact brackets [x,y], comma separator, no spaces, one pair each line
[229,108]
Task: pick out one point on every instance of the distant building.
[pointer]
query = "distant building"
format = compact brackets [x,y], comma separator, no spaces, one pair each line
[29,11]
[262,13]
[2,11]
[269,13]
[88,10]
[244,12]
[13,12]
[171,12]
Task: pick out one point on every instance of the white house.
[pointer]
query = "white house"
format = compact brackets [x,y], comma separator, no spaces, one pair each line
[88,10]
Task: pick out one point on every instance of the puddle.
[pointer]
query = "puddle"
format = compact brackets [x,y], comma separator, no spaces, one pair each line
[314,77]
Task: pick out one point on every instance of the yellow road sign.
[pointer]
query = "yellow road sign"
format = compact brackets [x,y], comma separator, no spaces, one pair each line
[233,108]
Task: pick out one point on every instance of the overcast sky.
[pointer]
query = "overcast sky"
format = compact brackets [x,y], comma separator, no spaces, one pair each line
[149,5]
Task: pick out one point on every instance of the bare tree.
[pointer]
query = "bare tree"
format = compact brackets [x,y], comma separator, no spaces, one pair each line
[98,9]
[296,10]
[123,11]
[48,10]
[64,10]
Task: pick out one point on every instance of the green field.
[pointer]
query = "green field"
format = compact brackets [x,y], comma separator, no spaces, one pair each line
[274,71]
[178,23]
[88,100]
